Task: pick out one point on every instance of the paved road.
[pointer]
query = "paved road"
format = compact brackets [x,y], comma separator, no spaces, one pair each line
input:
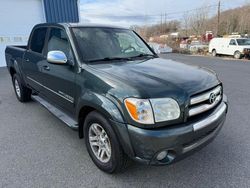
[38,150]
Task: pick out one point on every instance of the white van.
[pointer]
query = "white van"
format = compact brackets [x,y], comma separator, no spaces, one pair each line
[237,47]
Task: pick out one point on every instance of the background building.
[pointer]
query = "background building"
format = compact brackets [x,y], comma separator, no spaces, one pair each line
[17,17]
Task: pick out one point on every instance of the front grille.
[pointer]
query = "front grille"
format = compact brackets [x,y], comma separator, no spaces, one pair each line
[246,50]
[205,101]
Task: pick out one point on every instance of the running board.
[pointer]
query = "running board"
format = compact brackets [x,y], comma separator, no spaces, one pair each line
[55,111]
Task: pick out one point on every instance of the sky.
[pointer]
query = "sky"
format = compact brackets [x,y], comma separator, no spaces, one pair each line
[141,12]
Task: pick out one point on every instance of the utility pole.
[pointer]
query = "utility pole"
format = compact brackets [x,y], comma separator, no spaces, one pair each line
[161,24]
[165,22]
[218,21]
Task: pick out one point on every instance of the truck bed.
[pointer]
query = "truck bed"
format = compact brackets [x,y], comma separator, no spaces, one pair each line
[14,53]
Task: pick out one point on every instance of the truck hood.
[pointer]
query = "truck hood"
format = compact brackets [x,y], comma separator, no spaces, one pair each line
[156,78]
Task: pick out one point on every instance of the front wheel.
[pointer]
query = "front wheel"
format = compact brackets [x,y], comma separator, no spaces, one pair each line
[237,55]
[23,93]
[102,144]
[214,53]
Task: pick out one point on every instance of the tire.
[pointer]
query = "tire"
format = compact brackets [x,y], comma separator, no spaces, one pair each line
[214,53]
[114,159]
[23,93]
[237,55]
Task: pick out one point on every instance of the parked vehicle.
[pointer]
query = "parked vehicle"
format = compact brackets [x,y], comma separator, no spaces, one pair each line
[184,44]
[121,97]
[195,46]
[237,47]
[160,48]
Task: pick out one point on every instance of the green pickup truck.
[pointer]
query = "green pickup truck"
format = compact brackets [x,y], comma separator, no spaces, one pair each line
[125,101]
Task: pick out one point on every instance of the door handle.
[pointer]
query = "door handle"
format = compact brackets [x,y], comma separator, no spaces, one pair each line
[46,67]
[27,60]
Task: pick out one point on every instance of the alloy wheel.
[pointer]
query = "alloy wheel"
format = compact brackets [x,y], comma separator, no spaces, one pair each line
[99,142]
[17,88]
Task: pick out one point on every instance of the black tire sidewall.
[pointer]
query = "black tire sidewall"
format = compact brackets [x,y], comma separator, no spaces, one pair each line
[114,163]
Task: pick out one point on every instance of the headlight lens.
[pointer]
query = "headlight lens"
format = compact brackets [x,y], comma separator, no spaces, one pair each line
[164,109]
[140,110]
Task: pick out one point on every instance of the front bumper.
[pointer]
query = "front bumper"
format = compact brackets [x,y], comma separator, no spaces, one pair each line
[246,52]
[179,140]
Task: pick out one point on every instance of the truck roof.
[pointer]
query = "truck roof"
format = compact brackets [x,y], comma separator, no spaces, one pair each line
[229,38]
[80,25]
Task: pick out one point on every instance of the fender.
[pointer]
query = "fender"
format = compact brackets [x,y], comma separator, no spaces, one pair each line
[18,70]
[99,102]
[102,104]
[16,66]
[13,62]
[108,108]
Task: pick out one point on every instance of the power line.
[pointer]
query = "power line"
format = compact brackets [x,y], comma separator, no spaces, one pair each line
[151,15]
[162,18]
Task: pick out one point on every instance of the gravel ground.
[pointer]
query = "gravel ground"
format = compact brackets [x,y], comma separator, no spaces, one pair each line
[38,150]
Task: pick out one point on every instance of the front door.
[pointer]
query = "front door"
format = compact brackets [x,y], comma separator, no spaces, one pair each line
[59,80]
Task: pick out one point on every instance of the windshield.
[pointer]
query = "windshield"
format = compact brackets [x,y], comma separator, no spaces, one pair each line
[100,43]
[243,42]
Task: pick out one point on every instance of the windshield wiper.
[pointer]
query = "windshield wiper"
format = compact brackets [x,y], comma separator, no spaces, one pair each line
[109,59]
[122,58]
[145,55]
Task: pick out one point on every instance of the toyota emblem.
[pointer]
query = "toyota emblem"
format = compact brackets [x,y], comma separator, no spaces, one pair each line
[212,98]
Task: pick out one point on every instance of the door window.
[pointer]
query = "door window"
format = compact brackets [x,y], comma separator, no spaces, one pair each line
[232,42]
[58,41]
[38,40]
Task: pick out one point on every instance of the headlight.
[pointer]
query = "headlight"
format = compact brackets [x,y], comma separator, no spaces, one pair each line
[165,109]
[141,110]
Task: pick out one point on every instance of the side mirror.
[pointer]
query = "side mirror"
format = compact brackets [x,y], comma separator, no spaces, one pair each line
[57,57]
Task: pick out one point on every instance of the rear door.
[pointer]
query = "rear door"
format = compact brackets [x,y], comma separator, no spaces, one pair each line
[34,56]
[59,80]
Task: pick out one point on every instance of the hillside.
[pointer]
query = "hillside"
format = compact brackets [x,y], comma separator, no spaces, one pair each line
[234,20]
[198,22]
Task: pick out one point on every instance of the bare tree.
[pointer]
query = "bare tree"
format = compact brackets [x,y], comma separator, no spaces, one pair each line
[186,22]
[198,21]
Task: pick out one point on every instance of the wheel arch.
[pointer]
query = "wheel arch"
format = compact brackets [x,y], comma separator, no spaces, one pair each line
[214,49]
[15,69]
[95,102]
[12,71]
